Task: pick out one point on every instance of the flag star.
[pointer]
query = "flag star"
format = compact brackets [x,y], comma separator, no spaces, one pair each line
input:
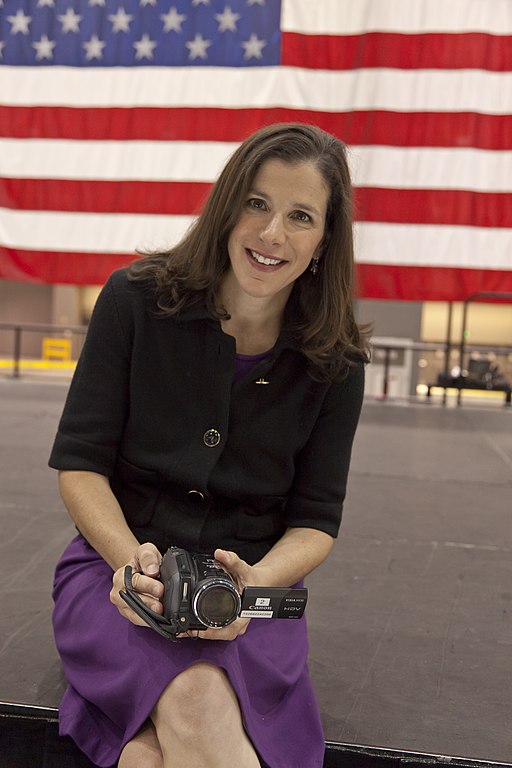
[44,48]
[47,3]
[120,20]
[147,2]
[197,47]
[255,2]
[96,2]
[19,22]
[227,20]
[94,48]
[144,47]
[253,47]
[173,20]
[2,44]
[200,2]
[70,21]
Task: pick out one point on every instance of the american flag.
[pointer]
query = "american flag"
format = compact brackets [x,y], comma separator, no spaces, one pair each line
[117,115]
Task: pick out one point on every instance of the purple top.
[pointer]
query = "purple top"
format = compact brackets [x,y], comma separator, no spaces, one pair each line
[244,363]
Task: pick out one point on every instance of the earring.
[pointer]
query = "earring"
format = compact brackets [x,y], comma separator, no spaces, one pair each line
[314,266]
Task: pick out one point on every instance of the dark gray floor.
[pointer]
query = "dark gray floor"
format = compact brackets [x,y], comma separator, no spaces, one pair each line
[410,618]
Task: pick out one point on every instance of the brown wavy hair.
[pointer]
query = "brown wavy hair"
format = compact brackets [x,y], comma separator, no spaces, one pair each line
[320,311]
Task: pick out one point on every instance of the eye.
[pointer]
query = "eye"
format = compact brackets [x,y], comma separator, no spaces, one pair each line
[257,203]
[301,216]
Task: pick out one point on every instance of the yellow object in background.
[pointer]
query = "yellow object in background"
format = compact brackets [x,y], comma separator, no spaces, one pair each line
[56,349]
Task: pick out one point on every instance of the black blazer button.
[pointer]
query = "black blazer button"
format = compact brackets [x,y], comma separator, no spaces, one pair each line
[211,438]
[196,495]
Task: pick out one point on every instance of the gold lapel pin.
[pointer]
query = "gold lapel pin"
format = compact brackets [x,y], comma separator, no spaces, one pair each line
[261,381]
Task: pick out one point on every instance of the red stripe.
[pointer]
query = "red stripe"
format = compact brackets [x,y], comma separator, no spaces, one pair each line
[174,198]
[464,50]
[434,206]
[375,281]
[414,206]
[59,267]
[399,129]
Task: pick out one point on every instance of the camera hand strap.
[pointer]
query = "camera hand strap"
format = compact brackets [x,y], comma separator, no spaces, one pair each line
[159,623]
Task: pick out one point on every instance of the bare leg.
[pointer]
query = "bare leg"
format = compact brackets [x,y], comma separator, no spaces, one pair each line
[199,724]
[143,751]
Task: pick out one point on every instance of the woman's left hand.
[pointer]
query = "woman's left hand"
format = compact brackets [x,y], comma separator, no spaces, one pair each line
[241,573]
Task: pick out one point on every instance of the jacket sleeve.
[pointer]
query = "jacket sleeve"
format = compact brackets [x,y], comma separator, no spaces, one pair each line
[94,414]
[321,468]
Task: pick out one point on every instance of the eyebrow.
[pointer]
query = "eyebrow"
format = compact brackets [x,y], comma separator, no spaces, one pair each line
[303,206]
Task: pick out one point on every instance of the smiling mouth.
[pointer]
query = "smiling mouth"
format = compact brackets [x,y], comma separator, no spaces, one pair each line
[265,260]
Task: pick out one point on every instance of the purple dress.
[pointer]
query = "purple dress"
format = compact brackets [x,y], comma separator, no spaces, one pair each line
[116,671]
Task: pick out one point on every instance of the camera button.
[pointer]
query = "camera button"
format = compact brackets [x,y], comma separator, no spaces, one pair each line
[211,438]
[196,495]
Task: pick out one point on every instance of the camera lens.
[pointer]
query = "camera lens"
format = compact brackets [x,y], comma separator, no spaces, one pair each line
[217,605]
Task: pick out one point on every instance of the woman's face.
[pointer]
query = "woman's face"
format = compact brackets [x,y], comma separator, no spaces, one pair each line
[279,230]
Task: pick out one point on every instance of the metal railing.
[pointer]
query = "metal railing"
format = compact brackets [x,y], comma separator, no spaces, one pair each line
[76,333]
[448,349]
[18,329]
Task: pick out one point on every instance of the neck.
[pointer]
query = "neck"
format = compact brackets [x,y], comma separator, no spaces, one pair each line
[254,322]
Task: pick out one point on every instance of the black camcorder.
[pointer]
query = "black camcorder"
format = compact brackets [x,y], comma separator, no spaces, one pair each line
[199,593]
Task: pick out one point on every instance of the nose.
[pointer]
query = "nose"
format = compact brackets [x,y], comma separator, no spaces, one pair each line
[273,231]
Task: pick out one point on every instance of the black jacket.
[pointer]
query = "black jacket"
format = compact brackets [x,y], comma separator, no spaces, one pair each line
[194,459]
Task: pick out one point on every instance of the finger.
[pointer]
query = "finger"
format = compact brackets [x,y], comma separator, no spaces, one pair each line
[147,585]
[237,567]
[151,602]
[192,634]
[232,631]
[149,559]
[129,614]
[143,585]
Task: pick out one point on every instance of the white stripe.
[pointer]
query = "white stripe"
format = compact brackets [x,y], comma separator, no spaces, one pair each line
[400,90]
[414,245]
[428,245]
[402,168]
[350,17]
[427,168]
[89,232]
[113,160]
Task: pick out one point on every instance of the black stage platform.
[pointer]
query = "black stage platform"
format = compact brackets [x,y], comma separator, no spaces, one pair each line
[410,619]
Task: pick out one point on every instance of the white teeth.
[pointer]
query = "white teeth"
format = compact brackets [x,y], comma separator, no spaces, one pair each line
[264,260]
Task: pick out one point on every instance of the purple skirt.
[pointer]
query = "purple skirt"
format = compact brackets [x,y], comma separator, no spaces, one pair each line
[117,671]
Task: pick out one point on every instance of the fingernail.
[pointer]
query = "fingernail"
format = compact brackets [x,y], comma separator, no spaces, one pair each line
[152,569]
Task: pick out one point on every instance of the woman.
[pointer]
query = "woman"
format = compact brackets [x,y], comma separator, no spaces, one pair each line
[213,408]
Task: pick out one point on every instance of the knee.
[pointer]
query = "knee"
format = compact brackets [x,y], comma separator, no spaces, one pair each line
[194,699]
[140,754]
[136,757]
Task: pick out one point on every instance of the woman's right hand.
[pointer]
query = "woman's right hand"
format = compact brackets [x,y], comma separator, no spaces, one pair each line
[146,568]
